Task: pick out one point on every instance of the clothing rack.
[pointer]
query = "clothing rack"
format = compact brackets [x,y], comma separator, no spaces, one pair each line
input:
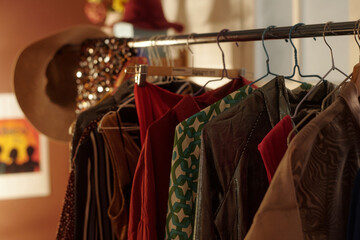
[303,31]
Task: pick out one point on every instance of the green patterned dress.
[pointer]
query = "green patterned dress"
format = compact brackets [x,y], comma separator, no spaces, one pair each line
[185,164]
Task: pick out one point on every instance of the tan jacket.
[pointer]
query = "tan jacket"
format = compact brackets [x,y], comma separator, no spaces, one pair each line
[309,195]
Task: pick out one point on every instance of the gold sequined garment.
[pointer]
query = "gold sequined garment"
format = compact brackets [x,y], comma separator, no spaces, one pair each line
[100,63]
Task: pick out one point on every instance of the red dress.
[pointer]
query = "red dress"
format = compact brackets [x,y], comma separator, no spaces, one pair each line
[274,145]
[150,187]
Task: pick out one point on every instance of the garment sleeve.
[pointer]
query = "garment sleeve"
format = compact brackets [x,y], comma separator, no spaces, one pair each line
[278,215]
[124,154]
[136,199]
[142,196]
[207,199]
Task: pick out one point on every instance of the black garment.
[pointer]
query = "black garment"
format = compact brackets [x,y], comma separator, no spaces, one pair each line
[87,120]
[232,177]
[353,231]
[78,216]
[93,191]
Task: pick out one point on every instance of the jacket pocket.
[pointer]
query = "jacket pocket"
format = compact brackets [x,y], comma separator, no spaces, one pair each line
[227,215]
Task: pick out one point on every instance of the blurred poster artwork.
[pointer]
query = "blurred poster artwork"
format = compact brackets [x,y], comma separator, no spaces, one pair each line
[19,147]
[23,154]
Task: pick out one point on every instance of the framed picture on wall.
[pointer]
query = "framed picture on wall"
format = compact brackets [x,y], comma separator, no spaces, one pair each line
[24,170]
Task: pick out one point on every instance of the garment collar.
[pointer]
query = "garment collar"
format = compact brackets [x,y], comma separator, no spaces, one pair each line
[276,100]
[350,94]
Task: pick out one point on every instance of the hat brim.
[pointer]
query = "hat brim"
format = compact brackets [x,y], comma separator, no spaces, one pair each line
[30,81]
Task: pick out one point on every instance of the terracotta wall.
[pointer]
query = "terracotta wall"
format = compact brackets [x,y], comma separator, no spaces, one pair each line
[22,22]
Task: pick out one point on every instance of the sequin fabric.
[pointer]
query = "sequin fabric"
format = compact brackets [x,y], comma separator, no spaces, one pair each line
[67,220]
[100,63]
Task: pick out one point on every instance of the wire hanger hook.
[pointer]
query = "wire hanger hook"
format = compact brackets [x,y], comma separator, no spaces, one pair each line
[266,53]
[189,49]
[264,47]
[295,55]
[327,25]
[292,44]
[222,51]
[356,33]
[224,70]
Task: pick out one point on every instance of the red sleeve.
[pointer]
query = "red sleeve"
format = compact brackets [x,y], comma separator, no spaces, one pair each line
[140,224]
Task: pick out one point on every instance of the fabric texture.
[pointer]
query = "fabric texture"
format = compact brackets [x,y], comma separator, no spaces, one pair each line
[232,178]
[185,164]
[124,155]
[92,196]
[273,147]
[151,181]
[309,196]
[353,230]
[152,102]
[71,224]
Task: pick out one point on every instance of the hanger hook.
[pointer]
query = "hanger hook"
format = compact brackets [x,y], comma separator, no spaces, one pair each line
[151,51]
[158,55]
[167,52]
[291,42]
[189,49]
[153,44]
[356,32]
[358,28]
[222,52]
[263,44]
[171,52]
[327,25]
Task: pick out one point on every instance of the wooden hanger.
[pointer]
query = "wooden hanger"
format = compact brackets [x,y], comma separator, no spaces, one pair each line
[142,71]
[124,74]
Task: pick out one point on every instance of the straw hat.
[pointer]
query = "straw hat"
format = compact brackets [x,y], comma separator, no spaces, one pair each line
[44,80]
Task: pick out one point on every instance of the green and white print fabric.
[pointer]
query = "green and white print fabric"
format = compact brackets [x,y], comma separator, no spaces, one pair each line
[185,164]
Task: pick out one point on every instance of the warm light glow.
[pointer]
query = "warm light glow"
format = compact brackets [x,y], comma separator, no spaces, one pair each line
[78,74]
[152,43]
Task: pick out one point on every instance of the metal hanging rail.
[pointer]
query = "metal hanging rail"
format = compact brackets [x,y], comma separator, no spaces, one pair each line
[304,31]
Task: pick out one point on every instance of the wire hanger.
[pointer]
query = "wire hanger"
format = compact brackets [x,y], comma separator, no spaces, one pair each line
[100,127]
[224,70]
[333,68]
[154,55]
[129,100]
[268,58]
[296,66]
[189,49]
[356,70]
[356,33]
[142,71]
